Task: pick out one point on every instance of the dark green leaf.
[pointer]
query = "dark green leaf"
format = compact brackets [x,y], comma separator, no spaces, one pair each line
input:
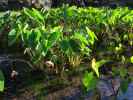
[75,45]
[32,40]
[124,85]
[64,44]
[53,38]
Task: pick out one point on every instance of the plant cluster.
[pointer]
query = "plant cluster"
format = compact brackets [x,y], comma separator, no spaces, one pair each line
[69,36]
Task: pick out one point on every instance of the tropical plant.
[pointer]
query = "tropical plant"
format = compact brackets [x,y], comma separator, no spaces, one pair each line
[67,35]
[37,40]
[89,78]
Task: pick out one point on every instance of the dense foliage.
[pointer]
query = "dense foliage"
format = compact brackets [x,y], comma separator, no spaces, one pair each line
[69,36]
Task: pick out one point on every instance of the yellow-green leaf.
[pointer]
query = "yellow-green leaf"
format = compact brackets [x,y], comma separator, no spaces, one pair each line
[131,59]
[89,81]
[1,81]
[96,64]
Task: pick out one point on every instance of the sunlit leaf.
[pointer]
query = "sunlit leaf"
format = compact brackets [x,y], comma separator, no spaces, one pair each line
[97,64]
[12,37]
[89,81]
[91,34]
[38,14]
[2,81]
[131,59]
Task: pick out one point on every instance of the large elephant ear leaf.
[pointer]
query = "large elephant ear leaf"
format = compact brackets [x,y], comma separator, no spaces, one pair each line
[64,44]
[2,81]
[75,45]
[53,38]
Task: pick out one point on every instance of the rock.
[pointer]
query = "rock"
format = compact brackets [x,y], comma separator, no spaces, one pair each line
[18,4]
[108,88]
[3,4]
[13,70]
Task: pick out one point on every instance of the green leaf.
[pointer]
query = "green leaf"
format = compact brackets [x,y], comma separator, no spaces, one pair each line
[52,39]
[29,13]
[89,81]
[81,38]
[38,14]
[130,35]
[64,44]
[131,59]
[38,32]
[34,14]
[32,39]
[124,85]
[94,67]
[44,47]
[91,34]
[75,45]
[101,62]
[70,12]
[123,72]
[2,81]
[97,64]
[12,37]
[12,32]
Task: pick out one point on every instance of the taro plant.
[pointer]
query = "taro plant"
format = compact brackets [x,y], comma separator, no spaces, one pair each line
[67,35]
[70,33]
[36,39]
[77,45]
[90,79]
[31,28]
